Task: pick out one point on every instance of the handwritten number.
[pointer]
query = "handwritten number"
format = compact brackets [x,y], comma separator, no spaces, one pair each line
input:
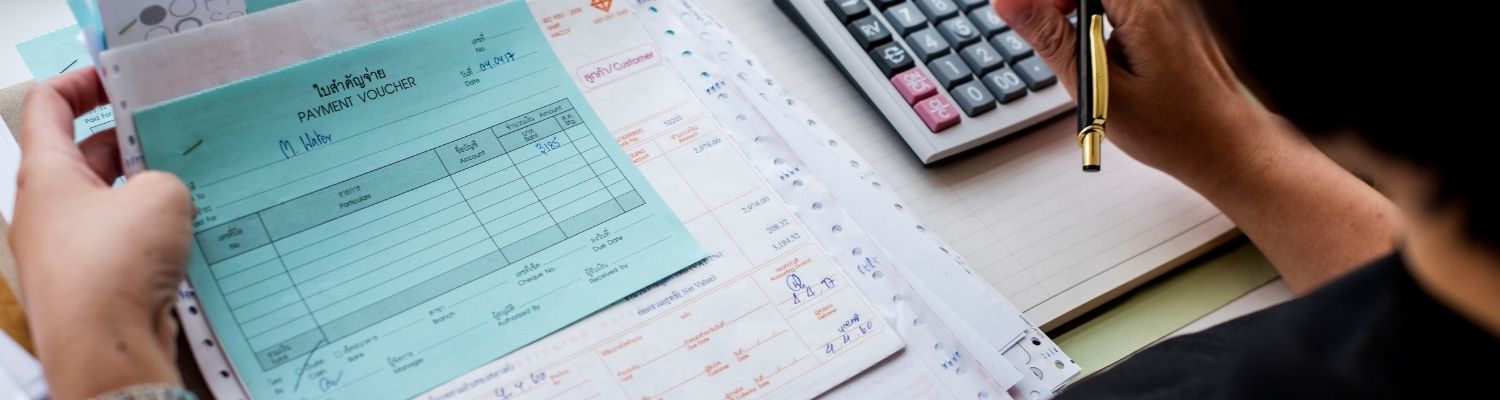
[548,146]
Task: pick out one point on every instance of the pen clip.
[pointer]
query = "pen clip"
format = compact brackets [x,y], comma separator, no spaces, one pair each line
[1091,137]
[1100,69]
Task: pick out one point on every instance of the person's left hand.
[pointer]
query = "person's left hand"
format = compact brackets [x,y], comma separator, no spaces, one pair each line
[99,267]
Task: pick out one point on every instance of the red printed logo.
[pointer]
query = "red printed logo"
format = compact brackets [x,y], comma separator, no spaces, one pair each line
[602,5]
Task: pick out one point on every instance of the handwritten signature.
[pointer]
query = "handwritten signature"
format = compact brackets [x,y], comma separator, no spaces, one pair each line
[801,291]
[324,383]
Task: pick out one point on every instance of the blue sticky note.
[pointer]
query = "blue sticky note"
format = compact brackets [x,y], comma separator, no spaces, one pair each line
[376,222]
[63,51]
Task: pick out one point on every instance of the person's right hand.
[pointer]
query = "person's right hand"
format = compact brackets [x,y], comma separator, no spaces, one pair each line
[1174,103]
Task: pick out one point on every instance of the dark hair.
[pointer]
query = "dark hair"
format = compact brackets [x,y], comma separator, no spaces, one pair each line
[1406,78]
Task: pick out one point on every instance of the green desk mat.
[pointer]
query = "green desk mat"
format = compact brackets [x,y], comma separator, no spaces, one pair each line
[1135,320]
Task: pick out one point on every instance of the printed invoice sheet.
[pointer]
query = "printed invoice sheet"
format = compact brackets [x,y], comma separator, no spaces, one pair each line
[769,315]
[375,222]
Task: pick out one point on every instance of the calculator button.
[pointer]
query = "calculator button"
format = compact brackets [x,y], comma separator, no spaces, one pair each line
[905,18]
[883,4]
[988,22]
[938,10]
[869,32]
[914,85]
[1035,73]
[1011,46]
[927,44]
[848,10]
[973,98]
[982,58]
[1005,85]
[937,112]
[949,70]
[891,58]
[972,4]
[959,32]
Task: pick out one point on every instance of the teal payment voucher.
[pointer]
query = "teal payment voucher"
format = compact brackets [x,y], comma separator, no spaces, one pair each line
[379,221]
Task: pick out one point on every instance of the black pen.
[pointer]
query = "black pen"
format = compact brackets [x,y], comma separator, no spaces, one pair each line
[1093,82]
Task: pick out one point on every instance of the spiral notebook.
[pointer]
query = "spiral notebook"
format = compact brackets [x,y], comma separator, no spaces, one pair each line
[802,293]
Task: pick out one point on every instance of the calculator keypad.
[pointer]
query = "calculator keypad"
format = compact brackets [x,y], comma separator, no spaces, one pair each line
[938,10]
[937,112]
[1035,73]
[974,98]
[968,50]
[1011,45]
[848,10]
[928,44]
[1005,84]
[891,58]
[915,85]
[982,58]
[959,32]
[950,70]
[905,18]
[869,32]
[988,22]
[972,4]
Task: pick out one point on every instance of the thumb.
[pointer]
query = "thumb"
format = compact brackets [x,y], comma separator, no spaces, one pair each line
[1044,23]
[163,191]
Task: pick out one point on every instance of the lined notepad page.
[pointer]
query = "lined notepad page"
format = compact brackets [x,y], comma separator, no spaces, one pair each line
[1052,239]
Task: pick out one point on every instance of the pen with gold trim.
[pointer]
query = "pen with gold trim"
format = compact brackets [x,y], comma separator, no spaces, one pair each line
[1093,82]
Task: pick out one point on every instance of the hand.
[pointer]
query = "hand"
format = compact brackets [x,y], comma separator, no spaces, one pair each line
[99,267]
[1176,105]
[1174,102]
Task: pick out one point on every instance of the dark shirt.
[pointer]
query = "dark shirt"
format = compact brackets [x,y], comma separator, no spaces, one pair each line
[1372,334]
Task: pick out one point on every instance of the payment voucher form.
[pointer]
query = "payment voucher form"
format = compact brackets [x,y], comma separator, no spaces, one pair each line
[378,221]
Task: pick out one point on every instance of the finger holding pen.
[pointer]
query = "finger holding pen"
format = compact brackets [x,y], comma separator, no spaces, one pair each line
[1174,104]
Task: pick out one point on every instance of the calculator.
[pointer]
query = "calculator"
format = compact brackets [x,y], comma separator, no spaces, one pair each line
[949,75]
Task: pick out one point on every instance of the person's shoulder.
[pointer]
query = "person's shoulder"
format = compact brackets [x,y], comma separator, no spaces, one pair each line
[1372,334]
[1362,297]
[1207,365]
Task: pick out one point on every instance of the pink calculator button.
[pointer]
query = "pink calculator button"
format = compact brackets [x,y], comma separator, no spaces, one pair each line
[938,113]
[914,85]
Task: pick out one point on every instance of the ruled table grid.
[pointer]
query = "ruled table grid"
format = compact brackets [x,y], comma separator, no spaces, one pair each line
[294,281]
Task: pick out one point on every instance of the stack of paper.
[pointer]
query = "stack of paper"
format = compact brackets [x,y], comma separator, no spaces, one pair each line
[20,374]
[409,199]
[10,164]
